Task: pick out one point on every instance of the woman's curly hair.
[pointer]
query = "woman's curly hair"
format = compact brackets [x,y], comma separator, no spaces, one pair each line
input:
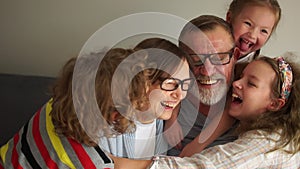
[82,83]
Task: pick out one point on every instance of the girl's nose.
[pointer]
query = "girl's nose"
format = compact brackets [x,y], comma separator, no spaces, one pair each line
[237,84]
[253,33]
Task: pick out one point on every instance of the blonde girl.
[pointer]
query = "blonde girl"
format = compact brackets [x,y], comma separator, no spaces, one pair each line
[253,22]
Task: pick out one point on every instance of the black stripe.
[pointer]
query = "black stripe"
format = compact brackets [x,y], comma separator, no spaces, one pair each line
[26,150]
[102,155]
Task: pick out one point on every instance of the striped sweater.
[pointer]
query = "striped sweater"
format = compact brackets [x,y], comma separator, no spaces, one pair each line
[37,145]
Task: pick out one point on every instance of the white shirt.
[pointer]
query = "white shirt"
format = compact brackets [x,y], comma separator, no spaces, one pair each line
[145,140]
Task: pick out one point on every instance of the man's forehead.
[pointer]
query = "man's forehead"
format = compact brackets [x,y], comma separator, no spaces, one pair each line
[210,47]
[199,42]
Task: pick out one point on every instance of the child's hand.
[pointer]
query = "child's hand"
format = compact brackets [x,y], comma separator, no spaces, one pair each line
[191,148]
[173,133]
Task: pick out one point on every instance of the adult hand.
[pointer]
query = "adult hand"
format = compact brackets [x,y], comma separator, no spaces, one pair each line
[191,148]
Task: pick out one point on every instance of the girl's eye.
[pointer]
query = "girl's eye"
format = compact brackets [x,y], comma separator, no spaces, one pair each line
[251,84]
[247,23]
[265,31]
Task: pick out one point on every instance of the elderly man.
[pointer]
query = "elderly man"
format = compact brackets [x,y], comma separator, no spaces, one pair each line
[209,42]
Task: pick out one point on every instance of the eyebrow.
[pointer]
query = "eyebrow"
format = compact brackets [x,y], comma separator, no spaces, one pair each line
[253,77]
[263,26]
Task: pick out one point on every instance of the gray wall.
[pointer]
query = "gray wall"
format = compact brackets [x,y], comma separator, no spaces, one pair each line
[38,36]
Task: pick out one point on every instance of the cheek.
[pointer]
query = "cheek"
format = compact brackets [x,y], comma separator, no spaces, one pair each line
[184,93]
[196,71]
[226,71]
[238,31]
[262,41]
[258,102]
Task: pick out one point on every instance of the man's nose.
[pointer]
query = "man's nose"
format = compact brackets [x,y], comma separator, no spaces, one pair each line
[207,68]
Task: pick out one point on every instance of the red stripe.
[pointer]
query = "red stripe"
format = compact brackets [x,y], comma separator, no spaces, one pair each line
[82,155]
[39,142]
[15,156]
[1,167]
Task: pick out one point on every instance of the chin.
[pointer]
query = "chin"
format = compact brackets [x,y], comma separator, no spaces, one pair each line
[165,116]
[234,113]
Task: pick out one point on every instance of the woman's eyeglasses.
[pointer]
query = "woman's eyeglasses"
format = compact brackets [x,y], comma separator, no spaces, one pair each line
[171,84]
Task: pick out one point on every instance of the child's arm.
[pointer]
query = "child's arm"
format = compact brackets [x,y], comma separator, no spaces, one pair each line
[124,163]
[172,130]
[221,123]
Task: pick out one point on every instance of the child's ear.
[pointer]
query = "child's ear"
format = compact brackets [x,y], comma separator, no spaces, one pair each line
[228,17]
[114,116]
[236,53]
[276,104]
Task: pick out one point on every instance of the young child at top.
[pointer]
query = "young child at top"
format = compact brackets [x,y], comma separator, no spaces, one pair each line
[266,101]
[253,22]
[90,100]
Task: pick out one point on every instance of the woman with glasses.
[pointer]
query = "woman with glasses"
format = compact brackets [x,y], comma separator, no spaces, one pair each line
[167,82]
[102,102]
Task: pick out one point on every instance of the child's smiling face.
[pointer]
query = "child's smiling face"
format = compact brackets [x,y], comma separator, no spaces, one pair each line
[252,93]
[252,27]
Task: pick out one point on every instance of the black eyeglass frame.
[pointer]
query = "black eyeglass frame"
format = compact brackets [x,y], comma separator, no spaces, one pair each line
[202,60]
[179,82]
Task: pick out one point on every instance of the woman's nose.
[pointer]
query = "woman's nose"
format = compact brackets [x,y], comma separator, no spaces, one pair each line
[178,93]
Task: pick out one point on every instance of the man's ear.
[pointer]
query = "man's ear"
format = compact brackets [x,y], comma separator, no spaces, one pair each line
[276,104]
[228,17]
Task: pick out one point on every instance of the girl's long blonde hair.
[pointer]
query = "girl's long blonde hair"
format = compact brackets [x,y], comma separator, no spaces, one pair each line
[287,119]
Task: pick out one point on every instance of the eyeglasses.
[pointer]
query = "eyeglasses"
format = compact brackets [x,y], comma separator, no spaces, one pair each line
[171,84]
[221,58]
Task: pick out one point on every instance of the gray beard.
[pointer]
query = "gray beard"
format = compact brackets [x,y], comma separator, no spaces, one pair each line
[212,96]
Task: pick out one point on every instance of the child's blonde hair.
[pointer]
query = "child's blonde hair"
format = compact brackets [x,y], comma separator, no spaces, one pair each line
[65,119]
[84,123]
[236,6]
[286,120]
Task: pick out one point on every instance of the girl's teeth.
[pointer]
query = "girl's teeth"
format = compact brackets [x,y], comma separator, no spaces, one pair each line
[236,98]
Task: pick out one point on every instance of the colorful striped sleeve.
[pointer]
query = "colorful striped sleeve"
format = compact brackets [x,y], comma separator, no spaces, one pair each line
[37,145]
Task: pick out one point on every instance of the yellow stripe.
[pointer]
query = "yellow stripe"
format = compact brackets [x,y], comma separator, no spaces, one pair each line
[3,151]
[59,148]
